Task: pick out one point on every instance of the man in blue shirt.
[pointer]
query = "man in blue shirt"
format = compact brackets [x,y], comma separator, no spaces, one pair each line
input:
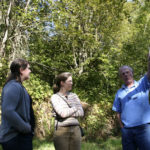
[133,110]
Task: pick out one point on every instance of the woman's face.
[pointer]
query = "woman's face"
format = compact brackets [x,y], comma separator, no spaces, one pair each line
[25,73]
[67,85]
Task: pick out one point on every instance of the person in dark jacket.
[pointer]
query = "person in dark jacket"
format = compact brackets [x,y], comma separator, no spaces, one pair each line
[18,122]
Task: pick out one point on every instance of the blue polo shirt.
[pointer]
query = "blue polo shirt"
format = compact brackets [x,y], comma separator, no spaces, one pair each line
[133,103]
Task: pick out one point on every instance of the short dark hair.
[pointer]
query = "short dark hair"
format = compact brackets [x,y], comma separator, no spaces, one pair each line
[15,69]
[61,77]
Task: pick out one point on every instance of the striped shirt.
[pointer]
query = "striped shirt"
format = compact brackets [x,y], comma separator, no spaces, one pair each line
[67,108]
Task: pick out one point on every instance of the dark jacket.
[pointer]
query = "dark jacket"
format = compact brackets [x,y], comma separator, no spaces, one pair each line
[16,111]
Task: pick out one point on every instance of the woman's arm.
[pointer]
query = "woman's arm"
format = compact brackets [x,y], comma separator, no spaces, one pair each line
[77,104]
[61,107]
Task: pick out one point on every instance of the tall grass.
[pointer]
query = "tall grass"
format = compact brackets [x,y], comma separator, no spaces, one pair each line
[109,144]
[42,145]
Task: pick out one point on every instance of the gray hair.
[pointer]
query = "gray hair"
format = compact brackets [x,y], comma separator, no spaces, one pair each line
[125,67]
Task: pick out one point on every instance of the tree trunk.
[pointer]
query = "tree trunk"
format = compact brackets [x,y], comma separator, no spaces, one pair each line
[2,46]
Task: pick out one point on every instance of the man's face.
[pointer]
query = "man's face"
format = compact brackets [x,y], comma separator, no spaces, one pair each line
[127,76]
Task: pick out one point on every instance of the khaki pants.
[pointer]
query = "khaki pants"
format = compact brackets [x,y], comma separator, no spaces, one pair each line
[67,138]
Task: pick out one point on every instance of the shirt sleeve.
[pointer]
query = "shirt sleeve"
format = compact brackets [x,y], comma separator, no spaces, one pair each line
[61,107]
[11,98]
[144,82]
[117,104]
[77,104]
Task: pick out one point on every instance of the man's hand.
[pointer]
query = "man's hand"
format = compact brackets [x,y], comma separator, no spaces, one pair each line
[148,72]
[119,120]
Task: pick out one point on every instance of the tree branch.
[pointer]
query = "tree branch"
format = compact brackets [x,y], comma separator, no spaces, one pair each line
[26,8]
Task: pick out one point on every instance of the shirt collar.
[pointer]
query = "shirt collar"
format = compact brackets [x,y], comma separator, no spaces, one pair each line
[63,95]
[134,85]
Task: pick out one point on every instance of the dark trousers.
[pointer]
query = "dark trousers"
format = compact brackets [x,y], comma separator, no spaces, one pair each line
[67,138]
[136,138]
[20,142]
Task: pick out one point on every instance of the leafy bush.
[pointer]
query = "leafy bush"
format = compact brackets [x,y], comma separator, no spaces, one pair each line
[41,92]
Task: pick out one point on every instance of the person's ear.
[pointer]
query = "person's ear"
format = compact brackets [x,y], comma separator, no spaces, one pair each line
[61,83]
[21,69]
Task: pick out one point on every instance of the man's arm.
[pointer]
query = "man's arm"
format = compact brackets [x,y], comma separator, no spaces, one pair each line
[119,120]
[148,72]
[117,108]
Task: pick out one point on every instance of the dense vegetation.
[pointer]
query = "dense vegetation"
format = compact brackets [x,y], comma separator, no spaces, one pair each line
[90,39]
